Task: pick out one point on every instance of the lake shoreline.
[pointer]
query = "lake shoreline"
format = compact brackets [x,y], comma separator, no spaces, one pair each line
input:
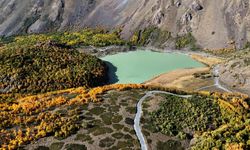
[186,79]
[182,79]
[142,65]
[209,60]
[114,49]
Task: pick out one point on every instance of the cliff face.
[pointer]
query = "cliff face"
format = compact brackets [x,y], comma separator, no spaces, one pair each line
[215,24]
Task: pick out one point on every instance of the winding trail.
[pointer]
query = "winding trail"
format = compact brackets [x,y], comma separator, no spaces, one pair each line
[216,81]
[138,116]
[137,120]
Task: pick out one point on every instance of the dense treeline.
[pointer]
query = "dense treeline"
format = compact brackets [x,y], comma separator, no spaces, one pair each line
[177,114]
[45,62]
[211,120]
[86,37]
[48,66]
[234,133]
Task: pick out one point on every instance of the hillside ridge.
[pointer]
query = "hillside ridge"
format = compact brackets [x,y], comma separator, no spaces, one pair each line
[215,24]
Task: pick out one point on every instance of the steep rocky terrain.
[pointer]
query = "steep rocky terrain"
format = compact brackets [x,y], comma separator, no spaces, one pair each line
[235,73]
[215,24]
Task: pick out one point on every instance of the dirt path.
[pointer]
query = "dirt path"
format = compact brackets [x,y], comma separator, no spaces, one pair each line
[137,120]
[217,81]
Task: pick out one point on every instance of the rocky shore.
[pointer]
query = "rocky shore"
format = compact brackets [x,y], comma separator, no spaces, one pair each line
[103,51]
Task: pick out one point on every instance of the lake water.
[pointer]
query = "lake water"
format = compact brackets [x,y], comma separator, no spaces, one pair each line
[140,66]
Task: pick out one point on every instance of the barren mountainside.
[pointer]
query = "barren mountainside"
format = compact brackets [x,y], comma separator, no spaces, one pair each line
[124,74]
[215,24]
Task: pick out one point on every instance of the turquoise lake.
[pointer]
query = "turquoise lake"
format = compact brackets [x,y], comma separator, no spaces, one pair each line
[142,65]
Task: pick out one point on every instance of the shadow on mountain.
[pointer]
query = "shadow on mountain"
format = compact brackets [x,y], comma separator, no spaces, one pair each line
[113,78]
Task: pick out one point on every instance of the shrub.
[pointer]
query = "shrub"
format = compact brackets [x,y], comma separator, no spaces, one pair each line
[186,41]
[152,35]
[247,45]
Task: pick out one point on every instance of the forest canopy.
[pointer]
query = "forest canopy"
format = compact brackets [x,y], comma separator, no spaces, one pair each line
[48,66]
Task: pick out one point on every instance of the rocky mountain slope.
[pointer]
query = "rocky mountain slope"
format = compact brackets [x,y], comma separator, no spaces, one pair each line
[235,73]
[215,24]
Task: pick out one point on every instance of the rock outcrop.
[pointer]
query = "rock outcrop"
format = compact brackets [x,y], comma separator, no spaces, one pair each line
[213,23]
[235,73]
